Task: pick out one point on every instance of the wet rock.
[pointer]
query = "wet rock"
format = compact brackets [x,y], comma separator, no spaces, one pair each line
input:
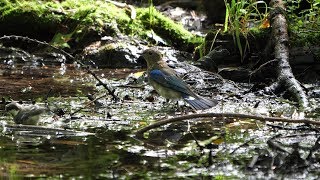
[208,62]
[190,19]
[114,53]
[13,54]
[122,53]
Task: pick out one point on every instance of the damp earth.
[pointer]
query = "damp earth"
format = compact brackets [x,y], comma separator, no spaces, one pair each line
[94,135]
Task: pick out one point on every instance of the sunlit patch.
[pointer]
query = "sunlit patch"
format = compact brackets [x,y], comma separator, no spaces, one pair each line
[190,98]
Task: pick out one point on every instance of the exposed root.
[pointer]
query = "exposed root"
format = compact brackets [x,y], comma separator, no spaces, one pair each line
[280,39]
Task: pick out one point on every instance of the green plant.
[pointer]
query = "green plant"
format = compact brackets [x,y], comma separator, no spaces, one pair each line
[240,16]
[151,13]
[304,23]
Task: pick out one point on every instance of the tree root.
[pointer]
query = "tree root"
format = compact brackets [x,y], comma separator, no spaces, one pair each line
[280,40]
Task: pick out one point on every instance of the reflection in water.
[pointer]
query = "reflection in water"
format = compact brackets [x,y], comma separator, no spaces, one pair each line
[100,155]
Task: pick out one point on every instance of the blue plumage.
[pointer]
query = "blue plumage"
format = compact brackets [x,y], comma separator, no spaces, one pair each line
[169,85]
[170,81]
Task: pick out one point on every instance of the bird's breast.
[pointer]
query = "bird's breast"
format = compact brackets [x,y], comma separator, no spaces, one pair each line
[166,92]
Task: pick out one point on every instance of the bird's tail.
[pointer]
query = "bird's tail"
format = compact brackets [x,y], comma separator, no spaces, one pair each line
[199,102]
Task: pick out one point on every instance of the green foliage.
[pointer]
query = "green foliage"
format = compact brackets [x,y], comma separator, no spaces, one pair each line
[240,17]
[151,8]
[304,24]
[61,40]
[33,12]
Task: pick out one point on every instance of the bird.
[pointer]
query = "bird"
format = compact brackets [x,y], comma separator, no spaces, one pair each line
[169,85]
[25,114]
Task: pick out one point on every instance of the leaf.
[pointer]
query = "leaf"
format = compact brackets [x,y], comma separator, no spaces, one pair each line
[61,40]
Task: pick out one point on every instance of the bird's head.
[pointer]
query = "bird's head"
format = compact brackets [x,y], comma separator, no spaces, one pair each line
[152,57]
[25,113]
[13,108]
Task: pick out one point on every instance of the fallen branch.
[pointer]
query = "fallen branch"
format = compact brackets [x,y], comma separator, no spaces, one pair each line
[195,117]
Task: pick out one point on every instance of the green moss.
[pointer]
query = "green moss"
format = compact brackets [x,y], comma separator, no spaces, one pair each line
[167,29]
[82,17]
[26,18]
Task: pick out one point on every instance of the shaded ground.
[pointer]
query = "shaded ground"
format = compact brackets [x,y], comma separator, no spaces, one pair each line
[233,148]
[224,148]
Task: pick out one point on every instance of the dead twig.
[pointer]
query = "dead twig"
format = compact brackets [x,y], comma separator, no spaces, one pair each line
[304,128]
[22,38]
[195,117]
[87,104]
[242,145]
[262,65]
[126,6]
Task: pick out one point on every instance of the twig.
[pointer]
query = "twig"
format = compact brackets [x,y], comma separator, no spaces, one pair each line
[253,161]
[37,42]
[276,145]
[44,130]
[242,145]
[262,65]
[294,129]
[139,133]
[197,142]
[124,5]
[111,92]
[300,135]
[87,104]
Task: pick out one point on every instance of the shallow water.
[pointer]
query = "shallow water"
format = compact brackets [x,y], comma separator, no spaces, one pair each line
[221,149]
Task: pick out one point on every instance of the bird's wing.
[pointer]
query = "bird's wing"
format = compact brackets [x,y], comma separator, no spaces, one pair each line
[21,117]
[170,81]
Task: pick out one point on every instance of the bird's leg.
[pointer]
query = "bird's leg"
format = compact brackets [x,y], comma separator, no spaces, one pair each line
[168,107]
[168,103]
[179,107]
[184,109]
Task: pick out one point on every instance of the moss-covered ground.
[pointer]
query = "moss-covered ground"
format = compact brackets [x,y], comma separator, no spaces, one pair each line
[76,21]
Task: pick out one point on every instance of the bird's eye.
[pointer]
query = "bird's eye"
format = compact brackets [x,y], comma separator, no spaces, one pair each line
[150,53]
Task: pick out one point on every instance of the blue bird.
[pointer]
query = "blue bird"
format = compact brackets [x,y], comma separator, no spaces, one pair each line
[166,82]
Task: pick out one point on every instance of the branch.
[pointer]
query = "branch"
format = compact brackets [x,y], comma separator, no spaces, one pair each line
[195,117]
[22,38]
